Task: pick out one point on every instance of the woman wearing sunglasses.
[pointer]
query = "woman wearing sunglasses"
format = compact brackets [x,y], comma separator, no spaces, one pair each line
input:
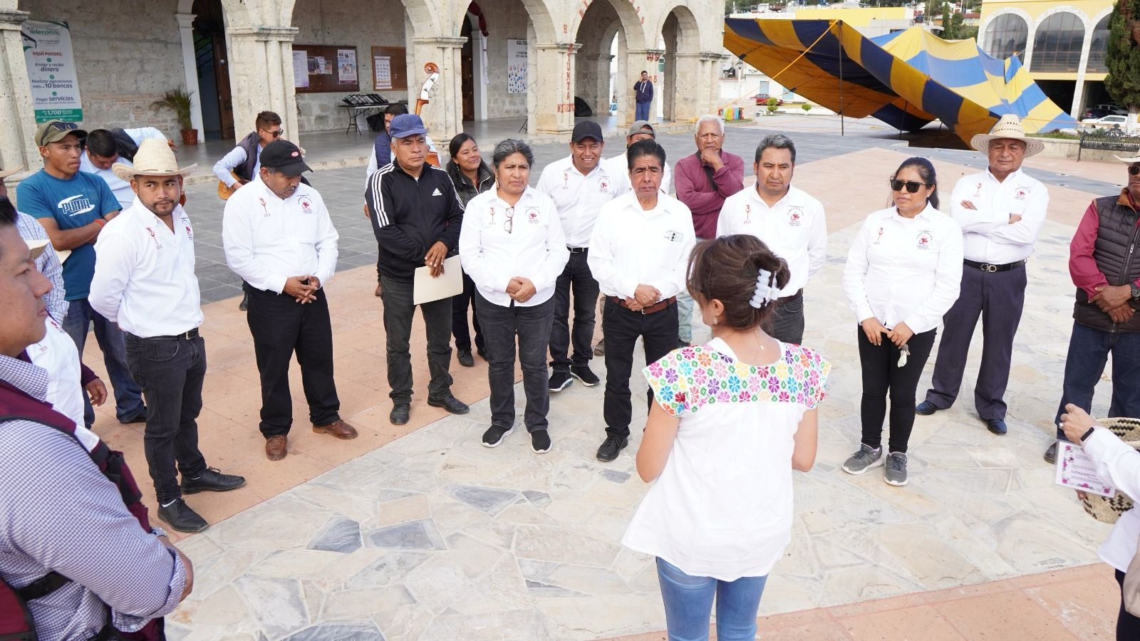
[511,244]
[903,273]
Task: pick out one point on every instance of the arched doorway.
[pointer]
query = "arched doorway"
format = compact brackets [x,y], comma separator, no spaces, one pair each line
[473,64]
[213,70]
[681,65]
[598,80]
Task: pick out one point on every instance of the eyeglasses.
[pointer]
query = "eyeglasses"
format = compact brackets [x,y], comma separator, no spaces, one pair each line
[911,185]
[275,134]
[1133,170]
[510,224]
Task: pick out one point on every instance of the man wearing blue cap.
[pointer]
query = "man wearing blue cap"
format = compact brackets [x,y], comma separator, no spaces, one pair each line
[416,216]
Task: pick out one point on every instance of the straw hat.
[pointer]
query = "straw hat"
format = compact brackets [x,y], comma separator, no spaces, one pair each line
[1107,509]
[4,173]
[154,158]
[1008,127]
[36,247]
[1131,160]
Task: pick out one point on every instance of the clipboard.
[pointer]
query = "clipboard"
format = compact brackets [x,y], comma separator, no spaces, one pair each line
[426,289]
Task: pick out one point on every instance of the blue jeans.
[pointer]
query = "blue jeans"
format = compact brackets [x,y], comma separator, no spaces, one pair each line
[689,599]
[642,111]
[128,395]
[1088,353]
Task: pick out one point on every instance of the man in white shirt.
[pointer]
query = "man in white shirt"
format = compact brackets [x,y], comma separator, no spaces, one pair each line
[579,185]
[618,166]
[790,222]
[640,250]
[1001,211]
[105,148]
[144,281]
[277,235]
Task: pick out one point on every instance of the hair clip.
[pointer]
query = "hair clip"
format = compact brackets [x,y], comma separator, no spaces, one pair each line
[765,291]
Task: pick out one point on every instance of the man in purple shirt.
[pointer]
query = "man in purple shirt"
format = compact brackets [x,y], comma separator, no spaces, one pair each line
[704,181]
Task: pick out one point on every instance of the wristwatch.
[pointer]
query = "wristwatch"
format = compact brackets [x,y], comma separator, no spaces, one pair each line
[1135,291]
[1087,434]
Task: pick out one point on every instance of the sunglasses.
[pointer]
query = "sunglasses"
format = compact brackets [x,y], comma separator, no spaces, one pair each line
[1133,170]
[64,126]
[911,186]
[275,134]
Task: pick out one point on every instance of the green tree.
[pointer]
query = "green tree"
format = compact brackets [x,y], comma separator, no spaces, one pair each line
[1123,58]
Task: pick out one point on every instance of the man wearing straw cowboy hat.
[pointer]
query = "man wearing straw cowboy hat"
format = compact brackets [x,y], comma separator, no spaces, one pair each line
[1001,210]
[1106,271]
[144,281]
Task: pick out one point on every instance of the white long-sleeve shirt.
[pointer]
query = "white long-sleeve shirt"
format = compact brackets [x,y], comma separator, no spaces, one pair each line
[1119,464]
[578,197]
[794,228]
[144,274]
[618,167]
[530,245]
[988,236]
[119,187]
[904,269]
[267,240]
[631,246]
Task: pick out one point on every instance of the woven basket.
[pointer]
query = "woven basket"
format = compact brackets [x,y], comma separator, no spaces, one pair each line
[1108,509]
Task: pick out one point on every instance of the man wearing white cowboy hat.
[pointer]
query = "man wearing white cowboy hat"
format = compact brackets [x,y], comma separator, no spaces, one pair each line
[144,281]
[1001,211]
[1105,319]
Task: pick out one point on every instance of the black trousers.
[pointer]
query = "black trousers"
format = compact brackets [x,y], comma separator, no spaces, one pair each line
[531,327]
[281,327]
[1127,625]
[459,329]
[398,313]
[786,324]
[622,328]
[883,376]
[576,276]
[170,372]
[998,298]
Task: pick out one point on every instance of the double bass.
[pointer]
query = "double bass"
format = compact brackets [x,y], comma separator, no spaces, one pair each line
[427,90]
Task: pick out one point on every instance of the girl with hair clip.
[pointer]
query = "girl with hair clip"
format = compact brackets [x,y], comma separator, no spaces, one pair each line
[902,275]
[732,419]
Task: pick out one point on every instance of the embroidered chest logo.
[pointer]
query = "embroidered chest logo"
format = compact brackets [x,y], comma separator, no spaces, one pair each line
[566,180]
[924,239]
[491,210]
[306,205]
[747,213]
[532,216]
[154,237]
[879,239]
[795,216]
[1021,193]
[263,207]
[189,231]
[603,185]
[978,191]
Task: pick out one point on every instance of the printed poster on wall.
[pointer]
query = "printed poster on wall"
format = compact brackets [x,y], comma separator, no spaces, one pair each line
[516,65]
[382,70]
[346,66]
[51,69]
[300,70]
[319,65]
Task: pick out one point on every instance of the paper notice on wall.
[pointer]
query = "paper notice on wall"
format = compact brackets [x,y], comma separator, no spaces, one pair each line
[300,70]
[346,66]
[319,66]
[51,70]
[382,70]
[516,66]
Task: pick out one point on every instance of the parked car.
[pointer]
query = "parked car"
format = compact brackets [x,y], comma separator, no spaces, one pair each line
[762,100]
[1107,122]
[1113,109]
[1095,112]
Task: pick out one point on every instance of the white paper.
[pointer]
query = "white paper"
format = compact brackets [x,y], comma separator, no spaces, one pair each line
[300,69]
[1077,471]
[51,71]
[346,66]
[382,70]
[426,289]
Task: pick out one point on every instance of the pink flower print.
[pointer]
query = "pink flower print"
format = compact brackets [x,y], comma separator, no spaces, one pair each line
[745,396]
[813,377]
[655,369]
[784,398]
[722,396]
[700,377]
[679,398]
[720,370]
[773,384]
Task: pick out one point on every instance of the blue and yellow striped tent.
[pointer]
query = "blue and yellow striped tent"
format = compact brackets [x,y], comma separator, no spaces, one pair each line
[906,79]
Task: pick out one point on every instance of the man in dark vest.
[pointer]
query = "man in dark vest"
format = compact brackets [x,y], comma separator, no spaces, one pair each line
[1106,272]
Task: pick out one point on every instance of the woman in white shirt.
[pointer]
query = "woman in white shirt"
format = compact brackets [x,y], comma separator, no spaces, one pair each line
[902,275]
[512,245]
[731,420]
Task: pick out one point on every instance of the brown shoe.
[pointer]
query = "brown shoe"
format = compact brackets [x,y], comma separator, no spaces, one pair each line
[276,447]
[379,290]
[337,428]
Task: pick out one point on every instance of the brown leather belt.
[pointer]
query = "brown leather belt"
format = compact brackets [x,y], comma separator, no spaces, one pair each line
[652,309]
[787,299]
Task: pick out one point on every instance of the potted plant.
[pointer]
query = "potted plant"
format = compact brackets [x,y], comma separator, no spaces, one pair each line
[179,101]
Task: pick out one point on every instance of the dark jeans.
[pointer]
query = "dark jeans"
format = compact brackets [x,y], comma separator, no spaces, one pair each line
[398,313]
[281,326]
[786,324]
[532,327]
[998,298]
[1127,625]
[171,372]
[128,395]
[1088,353]
[459,329]
[882,375]
[621,327]
[576,275]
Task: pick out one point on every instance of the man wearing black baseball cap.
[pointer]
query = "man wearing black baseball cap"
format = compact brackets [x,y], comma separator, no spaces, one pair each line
[279,238]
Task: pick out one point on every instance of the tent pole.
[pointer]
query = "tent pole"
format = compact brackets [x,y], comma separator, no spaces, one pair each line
[842,129]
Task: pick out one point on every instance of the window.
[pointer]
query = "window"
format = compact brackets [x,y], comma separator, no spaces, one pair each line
[1057,46]
[1099,46]
[1005,36]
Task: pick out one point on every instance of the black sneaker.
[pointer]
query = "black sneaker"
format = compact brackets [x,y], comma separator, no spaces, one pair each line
[611,447]
[495,434]
[465,358]
[586,375]
[540,441]
[212,480]
[180,517]
[560,380]
[1051,454]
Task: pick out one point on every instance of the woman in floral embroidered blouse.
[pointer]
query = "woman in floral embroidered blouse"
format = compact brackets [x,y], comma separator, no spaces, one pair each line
[732,419]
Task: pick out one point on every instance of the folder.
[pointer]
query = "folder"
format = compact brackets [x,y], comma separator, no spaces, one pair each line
[426,289]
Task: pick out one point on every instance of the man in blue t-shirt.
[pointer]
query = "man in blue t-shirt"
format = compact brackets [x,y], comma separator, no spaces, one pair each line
[73,207]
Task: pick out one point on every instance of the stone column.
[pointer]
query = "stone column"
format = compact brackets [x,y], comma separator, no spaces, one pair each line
[686,103]
[261,77]
[1079,87]
[17,119]
[554,87]
[444,114]
[709,100]
[190,65]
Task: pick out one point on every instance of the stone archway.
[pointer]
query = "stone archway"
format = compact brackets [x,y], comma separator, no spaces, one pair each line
[593,32]
[680,32]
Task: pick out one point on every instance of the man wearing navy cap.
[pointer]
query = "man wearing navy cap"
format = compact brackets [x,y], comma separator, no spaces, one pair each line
[416,216]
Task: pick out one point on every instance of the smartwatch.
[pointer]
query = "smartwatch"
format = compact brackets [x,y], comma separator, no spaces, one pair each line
[1087,434]
[1135,291]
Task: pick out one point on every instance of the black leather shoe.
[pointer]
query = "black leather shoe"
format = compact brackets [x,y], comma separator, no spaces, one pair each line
[244,304]
[465,358]
[180,517]
[996,425]
[481,351]
[212,481]
[138,417]
[925,408]
[1051,454]
[610,449]
[450,403]
[399,415]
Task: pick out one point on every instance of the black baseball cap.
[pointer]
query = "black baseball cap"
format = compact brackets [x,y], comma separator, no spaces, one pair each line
[587,129]
[285,157]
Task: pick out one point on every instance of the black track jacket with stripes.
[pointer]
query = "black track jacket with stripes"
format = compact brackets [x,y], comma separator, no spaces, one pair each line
[410,215]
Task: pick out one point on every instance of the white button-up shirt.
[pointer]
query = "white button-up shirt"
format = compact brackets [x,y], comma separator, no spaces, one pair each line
[578,197]
[632,246]
[794,228]
[498,242]
[988,236]
[904,269]
[618,167]
[119,187]
[144,274]
[268,240]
